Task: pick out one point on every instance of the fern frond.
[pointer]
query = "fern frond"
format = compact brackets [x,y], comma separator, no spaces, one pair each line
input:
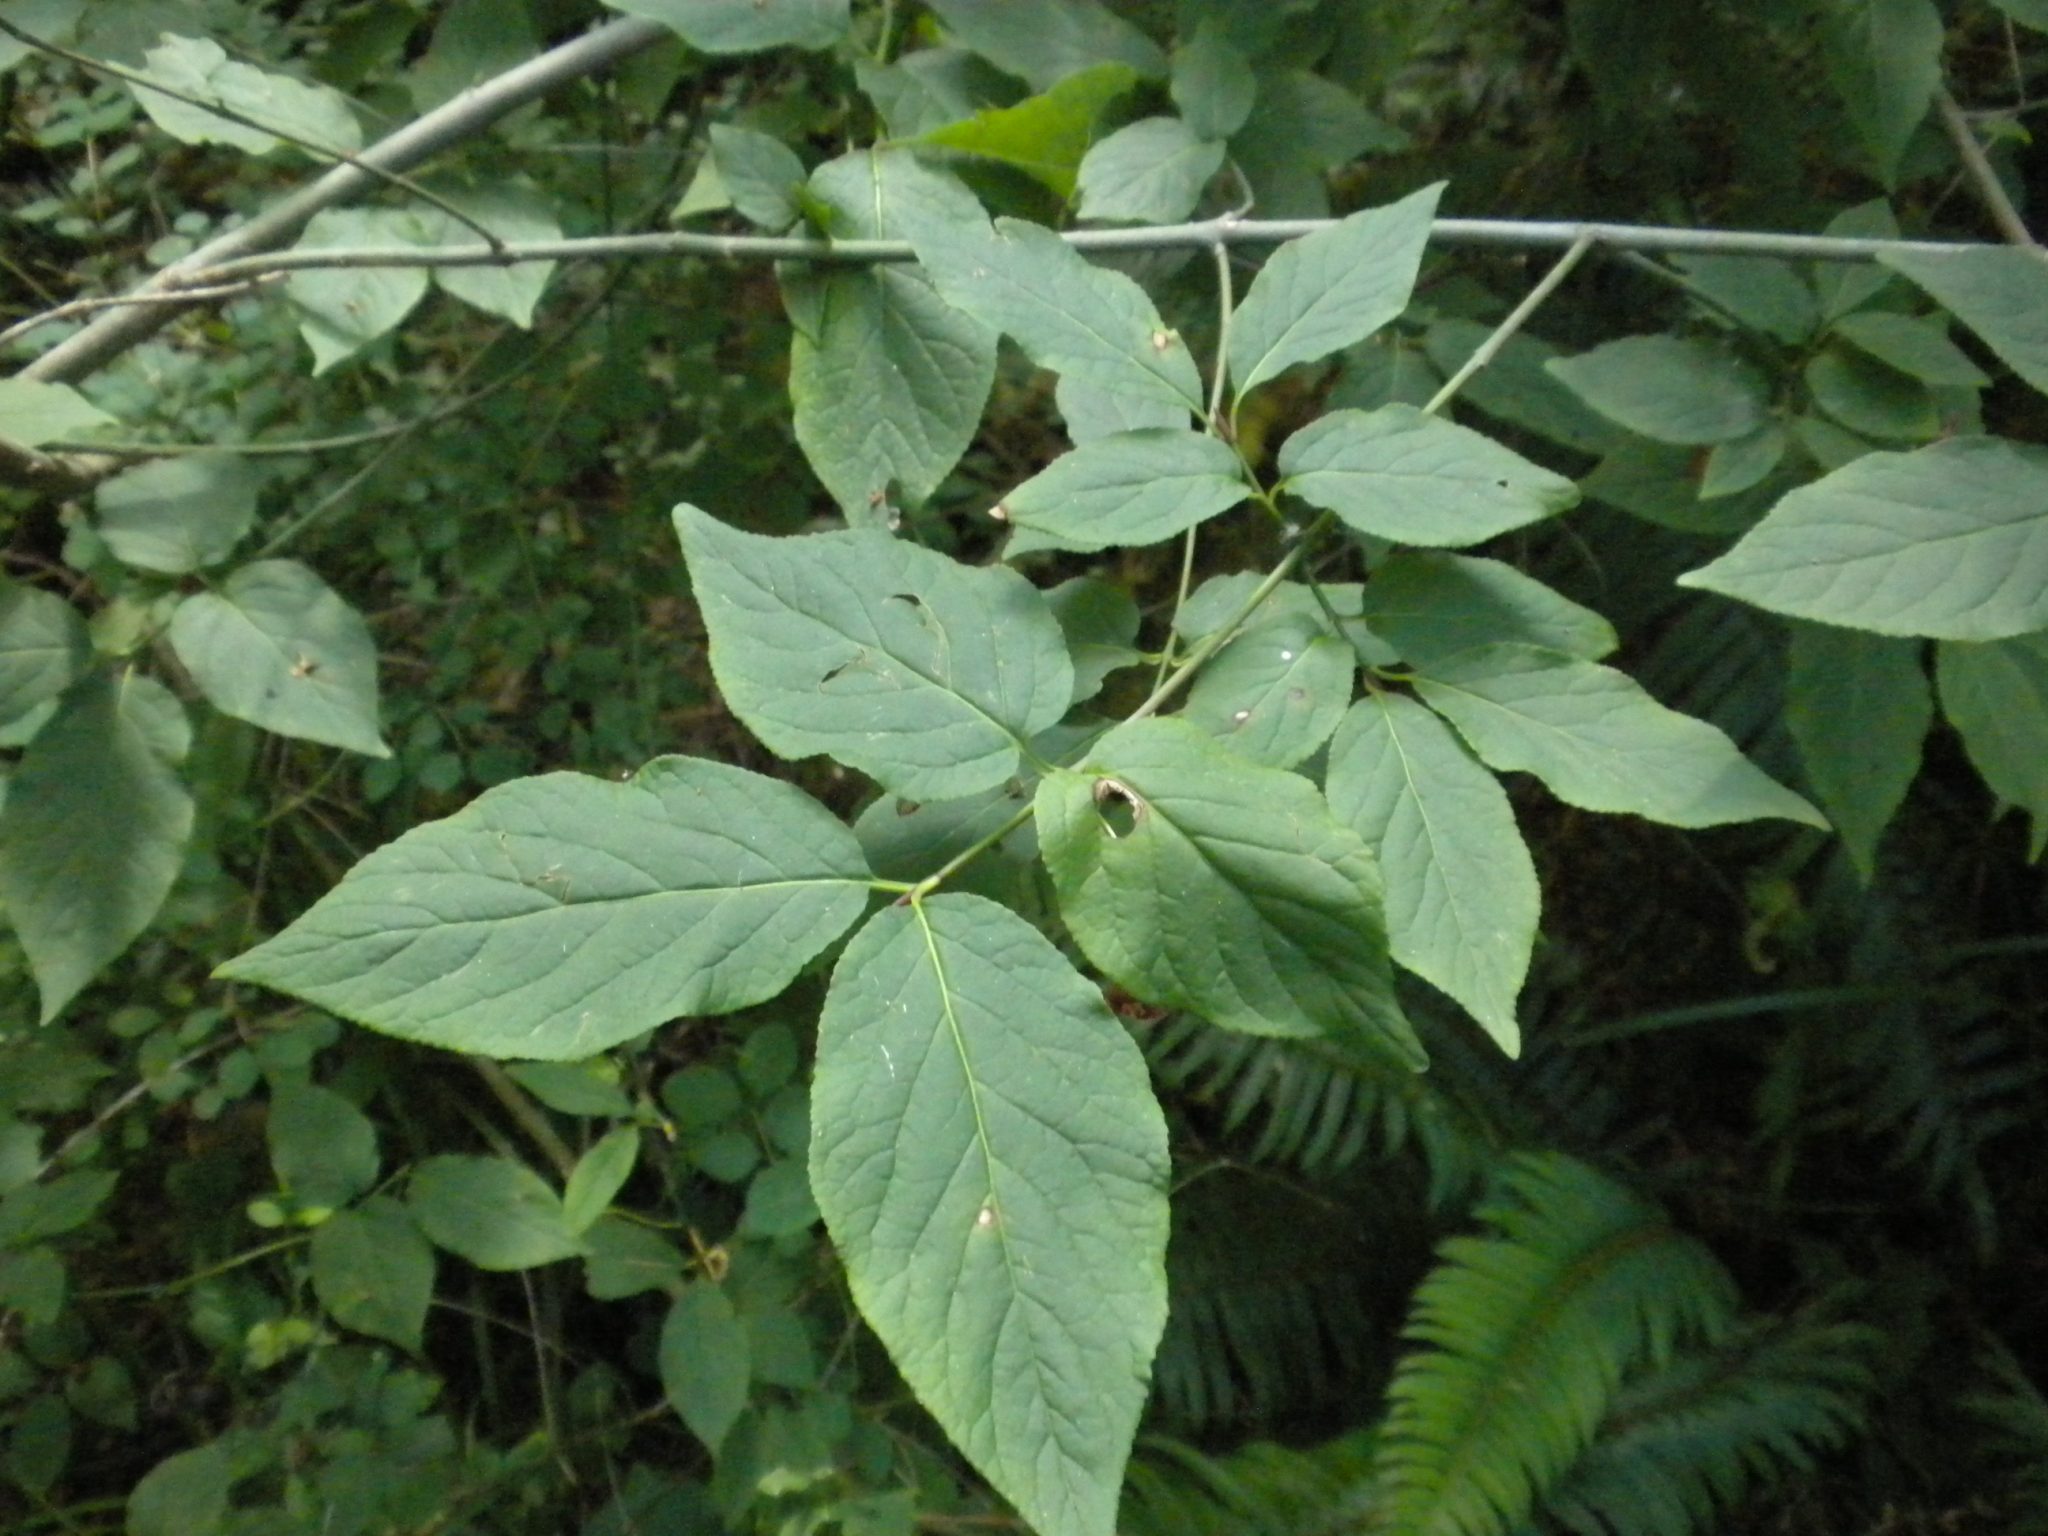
[1171,1489]
[2014,1414]
[1526,1334]
[1695,1439]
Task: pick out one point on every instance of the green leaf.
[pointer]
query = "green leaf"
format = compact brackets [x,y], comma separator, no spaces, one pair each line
[44,648]
[622,1258]
[1301,127]
[276,646]
[887,378]
[33,1285]
[1330,290]
[1198,880]
[2028,13]
[344,309]
[556,916]
[1859,706]
[2001,294]
[1743,463]
[1763,293]
[1079,320]
[201,68]
[1917,347]
[373,1272]
[1130,489]
[930,87]
[1517,387]
[54,21]
[923,673]
[1429,605]
[94,829]
[33,413]
[1462,898]
[1275,692]
[53,1207]
[183,1495]
[1884,61]
[322,1148]
[1950,540]
[779,1201]
[494,1212]
[1845,286]
[588,1089]
[1044,136]
[1151,172]
[703,1362]
[1598,741]
[514,212]
[1213,84]
[761,173]
[1047,41]
[1100,621]
[1867,397]
[177,515]
[1399,474]
[598,1176]
[1668,388]
[720,26]
[1996,696]
[1661,484]
[1090,411]
[992,1167]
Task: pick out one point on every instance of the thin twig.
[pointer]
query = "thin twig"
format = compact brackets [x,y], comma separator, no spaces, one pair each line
[186,296]
[313,147]
[461,118]
[1990,190]
[525,1114]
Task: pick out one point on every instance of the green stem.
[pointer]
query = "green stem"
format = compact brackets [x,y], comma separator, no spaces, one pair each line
[966,856]
[199,1276]
[1518,317]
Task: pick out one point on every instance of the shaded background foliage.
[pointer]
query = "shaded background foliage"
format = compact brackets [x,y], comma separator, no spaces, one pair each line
[1769,1166]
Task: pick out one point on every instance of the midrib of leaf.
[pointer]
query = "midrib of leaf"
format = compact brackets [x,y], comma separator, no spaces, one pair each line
[1415,795]
[981,1140]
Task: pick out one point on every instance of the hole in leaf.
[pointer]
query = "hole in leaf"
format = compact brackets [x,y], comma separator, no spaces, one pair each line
[1118,809]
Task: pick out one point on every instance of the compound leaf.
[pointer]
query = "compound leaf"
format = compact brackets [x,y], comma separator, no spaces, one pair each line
[1859,706]
[1668,388]
[1400,474]
[373,1272]
[1045,136]
[1151,171]
[1598,740]
[1996,696]
[1330,290]
[2001,294]
[559,915]
[992,1166]
[704,1364]
[494,1212]
[174,516]
[1198,880]
[1427,605]
[919,671]
[1275,692]
[1462,898]
[1132,488]
[1950,540]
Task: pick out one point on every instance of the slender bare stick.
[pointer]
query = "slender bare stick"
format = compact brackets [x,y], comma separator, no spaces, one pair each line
[465,116]
[1990,190]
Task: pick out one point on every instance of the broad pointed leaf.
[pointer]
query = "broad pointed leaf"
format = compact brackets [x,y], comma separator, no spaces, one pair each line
[704,1363]
[1428,605]
[33,413]
[723,26]
[1046,41]
[1599,741]
[1668,388]
[513,211]
[1462,898]
[1077,319]
[277,647]
[760,172]
[1330,290]
[344,309]
[888,380]
[1950,541]
[926,674]
[559,915]
[1090,411]
[43,648]
[599,1175]
[1884,60]
[374,1272]
[992,1167]
[322,1148]
[2001,294]
[1044,136]
[1130,489]
[1274,693]
[1399,474]
[177,515]
[1100,621]
[1151,171]
[1859,707]
[1996,696]
[94,829]
[1213,84]
[1198,880]
[304,115]
[494,1212]
[1914,346]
